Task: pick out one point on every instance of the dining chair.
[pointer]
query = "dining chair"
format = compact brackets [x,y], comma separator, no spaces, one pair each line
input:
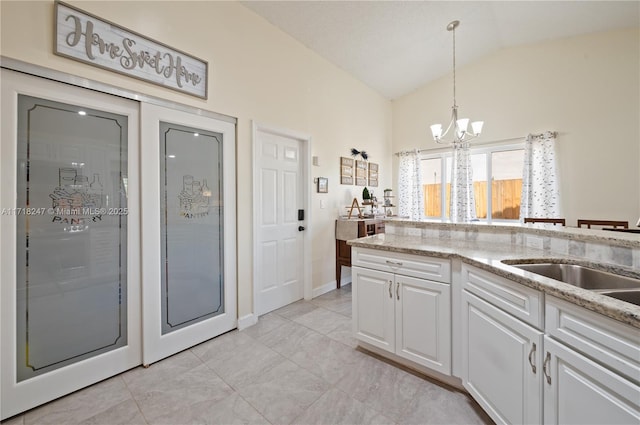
[553,221]
[612,223]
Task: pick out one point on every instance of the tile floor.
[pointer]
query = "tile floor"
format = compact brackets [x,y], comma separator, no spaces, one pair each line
[298,365]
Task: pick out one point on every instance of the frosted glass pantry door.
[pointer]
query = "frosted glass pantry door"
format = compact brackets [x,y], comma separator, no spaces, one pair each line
[191,226]
[70,287]
[189,288]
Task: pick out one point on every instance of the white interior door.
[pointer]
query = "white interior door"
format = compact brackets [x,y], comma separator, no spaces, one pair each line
[279,195]
[69,240]
[189,228]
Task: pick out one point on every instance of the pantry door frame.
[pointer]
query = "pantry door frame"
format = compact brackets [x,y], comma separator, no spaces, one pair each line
[6,166]
[20,396]
[157,345]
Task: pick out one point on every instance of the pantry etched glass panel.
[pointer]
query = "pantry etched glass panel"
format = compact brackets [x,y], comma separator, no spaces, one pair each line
[191,223]
[71,219]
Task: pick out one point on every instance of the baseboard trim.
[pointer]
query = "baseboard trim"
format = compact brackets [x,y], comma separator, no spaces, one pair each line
[246,321]
[330,286]
[327,287]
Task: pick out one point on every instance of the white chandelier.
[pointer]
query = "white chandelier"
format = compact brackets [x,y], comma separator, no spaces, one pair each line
[459,126]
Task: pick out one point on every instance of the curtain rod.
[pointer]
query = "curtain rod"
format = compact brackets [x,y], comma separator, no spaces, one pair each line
[492,142]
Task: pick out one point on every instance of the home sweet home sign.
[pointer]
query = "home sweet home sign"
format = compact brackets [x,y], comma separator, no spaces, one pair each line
[89,39]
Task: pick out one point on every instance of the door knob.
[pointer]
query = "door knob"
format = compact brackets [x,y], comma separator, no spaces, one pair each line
[300,228]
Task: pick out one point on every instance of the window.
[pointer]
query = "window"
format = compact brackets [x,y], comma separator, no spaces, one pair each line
[432,173]
[506,184]
[500,165]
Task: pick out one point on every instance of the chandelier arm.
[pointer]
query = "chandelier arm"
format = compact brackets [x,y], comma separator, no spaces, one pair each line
[452,122]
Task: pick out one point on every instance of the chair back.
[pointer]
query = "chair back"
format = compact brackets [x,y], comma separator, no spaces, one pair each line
[553,221]
[604,223]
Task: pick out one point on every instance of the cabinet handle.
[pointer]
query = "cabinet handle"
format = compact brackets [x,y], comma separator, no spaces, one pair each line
[531,354]
[390,293]
[394,263]
[398,290]
[547,374]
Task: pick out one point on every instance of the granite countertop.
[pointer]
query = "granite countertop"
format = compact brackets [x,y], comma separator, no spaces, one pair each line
[490,256]
[627,239]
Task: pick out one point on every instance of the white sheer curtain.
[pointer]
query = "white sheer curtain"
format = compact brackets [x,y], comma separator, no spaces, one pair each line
[462,203]
[410,196]
[540,193]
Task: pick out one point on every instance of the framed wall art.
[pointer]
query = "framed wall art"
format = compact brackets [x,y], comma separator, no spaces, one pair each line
[323,185]
[346,170]
[373,174]
[361,173]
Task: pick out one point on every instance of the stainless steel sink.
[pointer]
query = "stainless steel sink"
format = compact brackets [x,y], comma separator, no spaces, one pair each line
[581,276]
[629,295]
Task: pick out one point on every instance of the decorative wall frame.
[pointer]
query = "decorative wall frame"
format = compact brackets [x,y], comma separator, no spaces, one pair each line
[361,173]
[323,185]
[373,174]
[126,52]
[346,170]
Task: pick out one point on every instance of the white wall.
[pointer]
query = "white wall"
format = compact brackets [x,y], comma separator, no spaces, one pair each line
[256,72]
[586,88]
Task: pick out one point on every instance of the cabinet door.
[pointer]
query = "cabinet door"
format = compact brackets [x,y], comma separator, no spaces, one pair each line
[579,391]
[423,322]
[373,307]
[501,362]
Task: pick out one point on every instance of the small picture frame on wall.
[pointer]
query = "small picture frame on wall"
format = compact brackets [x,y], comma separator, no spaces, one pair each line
[323,185]
[346,170]
[361,173]
[373,174]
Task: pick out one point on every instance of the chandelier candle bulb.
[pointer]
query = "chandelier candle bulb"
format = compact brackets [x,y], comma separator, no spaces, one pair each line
[477,127]
[436,130]
[462,125]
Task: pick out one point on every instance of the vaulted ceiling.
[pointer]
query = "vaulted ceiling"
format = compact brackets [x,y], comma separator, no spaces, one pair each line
[397,46]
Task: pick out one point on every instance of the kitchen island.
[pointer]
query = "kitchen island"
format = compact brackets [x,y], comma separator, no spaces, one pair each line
[443,299]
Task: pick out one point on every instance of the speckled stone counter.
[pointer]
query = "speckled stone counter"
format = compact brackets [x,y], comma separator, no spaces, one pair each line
[573,234]
[492,255]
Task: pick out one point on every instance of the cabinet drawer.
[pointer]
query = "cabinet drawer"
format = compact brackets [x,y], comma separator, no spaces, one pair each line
[436,269]
[522,302]
[609,342]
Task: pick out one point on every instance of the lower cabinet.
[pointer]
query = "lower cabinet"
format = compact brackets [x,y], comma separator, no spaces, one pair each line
[373,309]
[591,367]
[580,391]
[407,316]
[583,369]
[500,369]
[527,358]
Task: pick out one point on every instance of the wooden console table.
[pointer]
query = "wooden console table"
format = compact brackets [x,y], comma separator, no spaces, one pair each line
[352,229]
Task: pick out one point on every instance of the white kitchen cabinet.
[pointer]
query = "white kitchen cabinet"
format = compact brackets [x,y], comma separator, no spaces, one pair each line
[423,322]
[591,367]
[373,307]
[606,341]
[585,368]
[407,316]
[501,358]
[519,301]
[577,390]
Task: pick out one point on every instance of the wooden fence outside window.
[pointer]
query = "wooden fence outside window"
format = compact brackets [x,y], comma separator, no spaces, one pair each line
[505,199]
